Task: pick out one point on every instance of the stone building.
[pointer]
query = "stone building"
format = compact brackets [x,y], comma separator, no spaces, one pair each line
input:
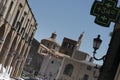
[17,29]
[66,62]
[33,61]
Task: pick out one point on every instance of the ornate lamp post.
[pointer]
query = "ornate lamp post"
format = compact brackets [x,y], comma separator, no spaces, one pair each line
[96,44]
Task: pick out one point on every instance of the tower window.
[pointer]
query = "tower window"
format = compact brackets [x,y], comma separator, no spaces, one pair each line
[71,46]
[68,45]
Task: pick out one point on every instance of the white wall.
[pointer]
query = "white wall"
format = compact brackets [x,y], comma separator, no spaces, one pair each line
[50,67]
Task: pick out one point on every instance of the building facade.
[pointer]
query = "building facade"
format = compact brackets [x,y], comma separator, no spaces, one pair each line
[33,61]
[17,29]
[66,62]
[72,69]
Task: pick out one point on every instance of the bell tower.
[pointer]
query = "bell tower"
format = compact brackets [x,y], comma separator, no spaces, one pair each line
[79,41]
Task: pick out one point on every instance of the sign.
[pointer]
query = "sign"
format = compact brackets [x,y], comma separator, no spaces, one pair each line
[106,11]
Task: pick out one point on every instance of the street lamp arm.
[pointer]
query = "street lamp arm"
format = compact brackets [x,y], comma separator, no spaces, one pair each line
[96,44]
[102,58]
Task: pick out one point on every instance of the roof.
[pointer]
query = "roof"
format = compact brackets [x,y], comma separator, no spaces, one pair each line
[61,54]
[89,63]
[52,40]
[55,53]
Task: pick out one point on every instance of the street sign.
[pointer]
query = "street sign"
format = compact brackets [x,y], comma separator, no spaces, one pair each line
[106,11]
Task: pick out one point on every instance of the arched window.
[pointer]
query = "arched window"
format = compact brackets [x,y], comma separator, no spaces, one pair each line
[68,69]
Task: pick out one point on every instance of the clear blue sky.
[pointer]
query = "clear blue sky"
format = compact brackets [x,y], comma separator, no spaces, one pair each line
[69,18]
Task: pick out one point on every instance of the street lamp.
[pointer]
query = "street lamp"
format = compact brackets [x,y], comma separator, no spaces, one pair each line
[96,44]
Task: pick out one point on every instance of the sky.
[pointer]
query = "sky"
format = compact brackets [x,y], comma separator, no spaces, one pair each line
[69,18]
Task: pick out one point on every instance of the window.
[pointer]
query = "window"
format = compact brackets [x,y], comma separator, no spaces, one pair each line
[21,22]
[85,77]
[64,44]
[17,14]
[54,47]
[68,45]
[26,26]
[19,27]
[30,28]
[22,32]
[68,69]
[15,19]
[47,44]
[71,46]
[29,31]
